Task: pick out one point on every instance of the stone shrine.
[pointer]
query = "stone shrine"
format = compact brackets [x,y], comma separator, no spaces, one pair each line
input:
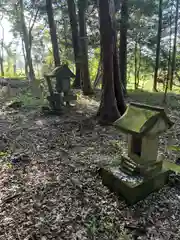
[63,94]
[139,172]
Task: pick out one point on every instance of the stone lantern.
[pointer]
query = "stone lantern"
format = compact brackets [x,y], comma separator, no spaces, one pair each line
[140,172]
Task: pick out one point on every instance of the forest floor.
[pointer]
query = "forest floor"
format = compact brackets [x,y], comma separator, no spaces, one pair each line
[54,192]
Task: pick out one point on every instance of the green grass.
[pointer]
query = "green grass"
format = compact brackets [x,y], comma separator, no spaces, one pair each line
[147,85]
[28,100]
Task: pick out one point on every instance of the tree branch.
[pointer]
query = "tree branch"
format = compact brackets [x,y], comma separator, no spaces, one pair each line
[34,20]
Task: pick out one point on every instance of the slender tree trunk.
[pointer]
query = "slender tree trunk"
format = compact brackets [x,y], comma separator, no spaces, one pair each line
[173,66]
[75,40]
[2,63]
[99,72]
[123,44]
[110,99]
[158,46]
[135,64]
[2,67]
[2,53]
[117,84]
[53,34]
[25,59]
[170,52]
[98,75]
[2,50]
[27,43]
[139,67]
[166,82]
[14,68]
[86,83]
[65,37]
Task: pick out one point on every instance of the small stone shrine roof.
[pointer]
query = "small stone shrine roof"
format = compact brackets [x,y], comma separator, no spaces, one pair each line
[63,71]
[143,120]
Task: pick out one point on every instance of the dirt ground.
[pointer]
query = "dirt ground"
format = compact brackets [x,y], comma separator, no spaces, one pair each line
[55,192]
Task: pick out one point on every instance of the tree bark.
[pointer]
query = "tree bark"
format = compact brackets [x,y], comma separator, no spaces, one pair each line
[158,46]
[99,73]
[2,67]
[117,84]
[170,52]
[75,41]
[14,68]
[25,59]
[139,66]
[173,66]
[2,53]
[135,64]
[27,42]
[53,34]
[86,83]
[2,49]
[123,44]
[111,98]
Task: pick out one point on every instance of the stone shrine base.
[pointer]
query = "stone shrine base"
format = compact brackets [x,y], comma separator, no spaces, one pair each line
[132,188]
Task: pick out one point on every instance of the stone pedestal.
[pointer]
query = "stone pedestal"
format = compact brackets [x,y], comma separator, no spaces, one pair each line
[132,188]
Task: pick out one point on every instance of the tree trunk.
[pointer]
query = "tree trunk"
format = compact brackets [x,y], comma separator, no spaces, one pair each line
[170,52]
[135,64]
[173,66]
[123,44]
[53,34]
[2,50]
[158,46]
[169,64]
[166,80]
[25,59]
[14,68]
[139,67]
[86,83]
[117,84]
[2,67]
[75,41]
[110,99]
[2,54]
[27,43]
[98,76]
[99,72]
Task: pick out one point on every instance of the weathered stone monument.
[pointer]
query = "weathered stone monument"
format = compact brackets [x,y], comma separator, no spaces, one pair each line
[140,172]
[62,95]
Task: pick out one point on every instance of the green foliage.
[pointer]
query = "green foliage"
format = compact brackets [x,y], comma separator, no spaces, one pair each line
[174,148]
[3,154]
[29,100]
[92,226]
[9,72]
[142,28]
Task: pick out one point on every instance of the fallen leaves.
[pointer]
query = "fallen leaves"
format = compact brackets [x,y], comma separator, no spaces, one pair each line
[59,194]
